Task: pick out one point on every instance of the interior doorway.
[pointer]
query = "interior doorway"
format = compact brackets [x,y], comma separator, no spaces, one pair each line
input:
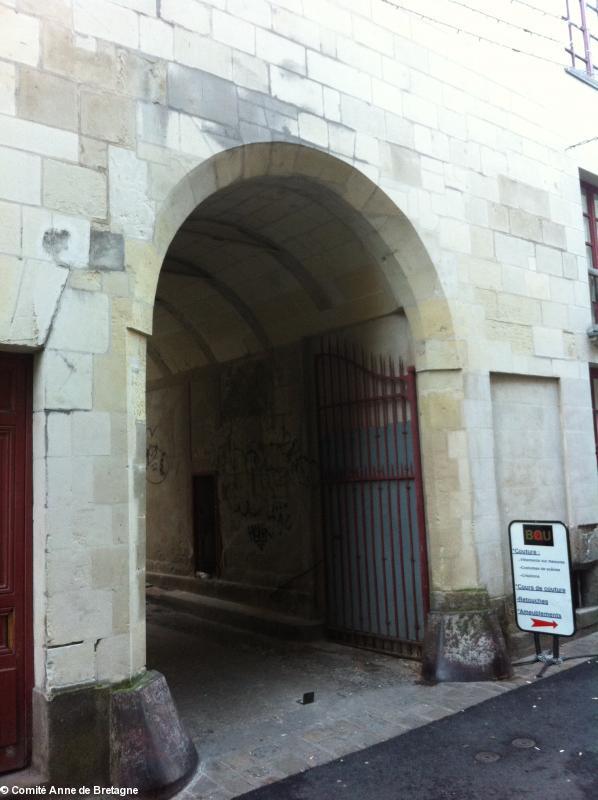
[206,539]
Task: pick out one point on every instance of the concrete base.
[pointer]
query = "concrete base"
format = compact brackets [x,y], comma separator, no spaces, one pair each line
[464,640]
[124,736]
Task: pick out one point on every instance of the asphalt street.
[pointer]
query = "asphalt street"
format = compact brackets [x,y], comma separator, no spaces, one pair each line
[538,742]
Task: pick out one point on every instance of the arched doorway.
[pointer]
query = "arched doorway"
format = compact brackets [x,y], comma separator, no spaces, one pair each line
[276,259]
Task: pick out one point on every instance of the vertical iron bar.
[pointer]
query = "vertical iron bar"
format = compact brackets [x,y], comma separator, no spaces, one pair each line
[586,38]
[389,386]
[341,484]
[368,474]
[395,418]
[382,483]
[570,27]
[350,377]
[372,400]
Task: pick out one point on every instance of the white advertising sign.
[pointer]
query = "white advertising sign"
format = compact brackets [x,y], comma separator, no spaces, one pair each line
[541,564]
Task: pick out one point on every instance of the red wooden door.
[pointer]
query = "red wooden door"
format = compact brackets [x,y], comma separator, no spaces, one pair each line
[15,560]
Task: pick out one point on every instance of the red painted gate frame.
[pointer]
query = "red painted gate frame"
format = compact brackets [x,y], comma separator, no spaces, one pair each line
[383,370]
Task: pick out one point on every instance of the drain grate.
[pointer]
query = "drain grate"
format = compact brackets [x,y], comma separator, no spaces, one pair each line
[486,757]
[523,743]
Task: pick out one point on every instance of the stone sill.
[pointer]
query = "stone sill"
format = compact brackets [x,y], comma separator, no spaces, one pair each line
[582,76]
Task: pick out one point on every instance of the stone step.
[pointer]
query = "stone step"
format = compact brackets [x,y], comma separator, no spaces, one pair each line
[283,600]
[239,615]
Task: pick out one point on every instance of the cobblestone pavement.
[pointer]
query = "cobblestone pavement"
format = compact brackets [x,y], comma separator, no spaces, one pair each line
[237,694]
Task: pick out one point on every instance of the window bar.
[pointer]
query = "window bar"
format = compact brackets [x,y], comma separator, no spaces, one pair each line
[570,27]
[586,38]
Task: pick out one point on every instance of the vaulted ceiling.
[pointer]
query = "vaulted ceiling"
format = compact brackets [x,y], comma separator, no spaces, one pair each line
[260,264]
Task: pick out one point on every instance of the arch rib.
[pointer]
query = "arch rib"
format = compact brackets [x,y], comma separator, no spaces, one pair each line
[286,260]
[153,353]
[197,337]
[190,269]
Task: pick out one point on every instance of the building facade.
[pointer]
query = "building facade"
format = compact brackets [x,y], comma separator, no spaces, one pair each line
[228,230]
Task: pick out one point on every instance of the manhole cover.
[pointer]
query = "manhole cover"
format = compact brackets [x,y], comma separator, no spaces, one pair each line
[486,757]
[524,743]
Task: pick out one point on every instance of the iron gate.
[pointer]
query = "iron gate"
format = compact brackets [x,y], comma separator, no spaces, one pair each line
[372,501]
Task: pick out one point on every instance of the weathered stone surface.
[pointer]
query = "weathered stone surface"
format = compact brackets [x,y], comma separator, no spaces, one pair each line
[464,646]
[106,250]
[140,76]
[66,383]
[10,228]
[584,544]
[193,15]
[21,176]
[201,94]
[202,52]
[158,125]
[19,36]
[48,99]
[55,237]
[75,664]
[60,55]
[106,21]
[126,736]
[7,88]
[75,190]
[156,37]
[83,323]
[93,153]
[130,209]
[297,90]
[149,747]
[72,742]
[56,10]
[42,139]
[41,285]
[108,117]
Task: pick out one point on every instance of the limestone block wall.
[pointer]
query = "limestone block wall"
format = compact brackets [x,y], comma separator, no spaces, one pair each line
[484,246]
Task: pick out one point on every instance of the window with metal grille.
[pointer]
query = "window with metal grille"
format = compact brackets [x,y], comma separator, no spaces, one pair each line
[589,199]
[581,17]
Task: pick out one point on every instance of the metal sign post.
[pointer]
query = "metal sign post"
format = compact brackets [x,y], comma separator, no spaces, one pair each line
[542,589]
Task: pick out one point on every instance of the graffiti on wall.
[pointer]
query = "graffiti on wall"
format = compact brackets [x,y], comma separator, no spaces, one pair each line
[259,535]
[156,458]
[261,479]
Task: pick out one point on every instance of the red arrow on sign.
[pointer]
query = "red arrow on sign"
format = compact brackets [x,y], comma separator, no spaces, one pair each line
[543,623]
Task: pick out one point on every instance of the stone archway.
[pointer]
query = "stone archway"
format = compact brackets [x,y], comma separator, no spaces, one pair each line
[413,279]
[385,230]
[413,283]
